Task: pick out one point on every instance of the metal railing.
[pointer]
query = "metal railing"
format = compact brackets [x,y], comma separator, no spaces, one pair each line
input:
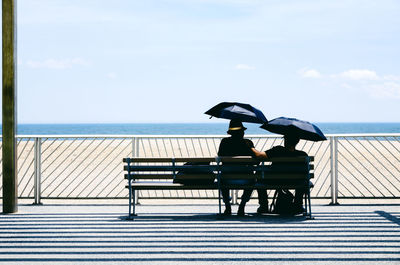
[83,167]
[367,166]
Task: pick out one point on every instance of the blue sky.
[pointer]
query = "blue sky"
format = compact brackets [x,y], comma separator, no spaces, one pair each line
[126,61]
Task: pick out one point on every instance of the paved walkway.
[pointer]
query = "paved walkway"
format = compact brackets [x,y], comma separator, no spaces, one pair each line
[86,233]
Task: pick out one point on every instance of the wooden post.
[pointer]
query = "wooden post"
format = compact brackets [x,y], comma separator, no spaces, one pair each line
[10,194]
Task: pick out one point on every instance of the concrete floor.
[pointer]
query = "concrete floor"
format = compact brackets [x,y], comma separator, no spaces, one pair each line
[182,232]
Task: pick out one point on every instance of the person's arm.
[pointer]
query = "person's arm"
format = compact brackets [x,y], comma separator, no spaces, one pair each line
[259,154]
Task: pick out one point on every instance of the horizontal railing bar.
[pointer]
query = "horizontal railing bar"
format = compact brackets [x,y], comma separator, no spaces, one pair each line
[175,198]
[364,135]
[150,136]
[198,136]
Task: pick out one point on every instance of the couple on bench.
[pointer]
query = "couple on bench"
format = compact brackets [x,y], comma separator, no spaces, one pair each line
[237,145]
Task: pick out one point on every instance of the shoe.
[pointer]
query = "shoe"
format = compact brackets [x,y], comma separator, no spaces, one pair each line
[263,209]
[298,209]
[240,210]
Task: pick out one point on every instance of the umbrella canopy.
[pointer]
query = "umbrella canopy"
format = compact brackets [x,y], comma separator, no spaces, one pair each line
[238,111]
[290,126]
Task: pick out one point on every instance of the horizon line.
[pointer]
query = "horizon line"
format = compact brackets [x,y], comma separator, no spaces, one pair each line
[220,122]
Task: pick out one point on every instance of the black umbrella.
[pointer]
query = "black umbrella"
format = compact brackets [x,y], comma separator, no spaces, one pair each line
[238,111]
[290,126]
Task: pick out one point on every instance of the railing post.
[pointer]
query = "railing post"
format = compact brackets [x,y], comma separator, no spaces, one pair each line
[235,196]
[37,170]
[218,160]
[135,153]
[334,170]
[232,195]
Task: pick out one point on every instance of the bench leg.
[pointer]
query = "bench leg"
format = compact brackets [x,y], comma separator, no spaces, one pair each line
[308,205]
[273,201]
[134,203]
[132,208]
[130,202]
[219,202]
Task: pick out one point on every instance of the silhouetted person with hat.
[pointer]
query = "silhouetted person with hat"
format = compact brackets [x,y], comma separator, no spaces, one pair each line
[236,145]
[288,150]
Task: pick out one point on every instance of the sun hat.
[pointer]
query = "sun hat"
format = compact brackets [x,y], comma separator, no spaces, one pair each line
[235,125]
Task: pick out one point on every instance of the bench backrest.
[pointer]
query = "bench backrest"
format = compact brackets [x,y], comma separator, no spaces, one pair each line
[168,168]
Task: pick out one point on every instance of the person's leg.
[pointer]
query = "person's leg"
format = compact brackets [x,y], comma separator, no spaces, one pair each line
[227,200]
[262,201]
[245,198]
[298,200]
[299,195]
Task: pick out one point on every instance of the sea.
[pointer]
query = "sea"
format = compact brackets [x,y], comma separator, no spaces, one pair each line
[188,128]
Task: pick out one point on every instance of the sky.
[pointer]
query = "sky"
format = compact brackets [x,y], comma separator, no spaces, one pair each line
[123,61]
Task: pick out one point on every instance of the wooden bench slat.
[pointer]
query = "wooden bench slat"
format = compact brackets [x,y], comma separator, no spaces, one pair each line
[169,159]
[193,168]
[171,176]
[239,159]
[249,159]
[173,186]
[170,185]
[277,176]
[170,167]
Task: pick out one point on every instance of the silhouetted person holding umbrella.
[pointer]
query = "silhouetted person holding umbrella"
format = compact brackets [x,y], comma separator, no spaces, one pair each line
[236,145]
[288,150]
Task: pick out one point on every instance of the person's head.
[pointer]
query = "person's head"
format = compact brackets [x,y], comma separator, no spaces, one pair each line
[290,141]
[236,128]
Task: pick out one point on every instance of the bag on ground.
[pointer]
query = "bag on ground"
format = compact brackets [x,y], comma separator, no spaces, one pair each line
[284,202]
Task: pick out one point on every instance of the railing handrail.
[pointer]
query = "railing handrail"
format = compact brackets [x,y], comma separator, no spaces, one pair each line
[191,135]
[364,135]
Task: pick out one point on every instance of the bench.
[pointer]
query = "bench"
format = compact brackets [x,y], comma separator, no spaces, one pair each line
[158,174]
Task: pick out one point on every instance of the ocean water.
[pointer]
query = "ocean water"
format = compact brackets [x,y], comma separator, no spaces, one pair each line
[188,128]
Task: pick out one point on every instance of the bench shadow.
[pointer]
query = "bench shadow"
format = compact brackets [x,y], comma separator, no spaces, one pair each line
[264,218]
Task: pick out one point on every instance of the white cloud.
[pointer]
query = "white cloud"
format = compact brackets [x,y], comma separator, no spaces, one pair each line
[347,86]
[385,90]
[57,64]
[112,75]
[391,77]
[244,67]
[362,80]
[359,74]
[309,73]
